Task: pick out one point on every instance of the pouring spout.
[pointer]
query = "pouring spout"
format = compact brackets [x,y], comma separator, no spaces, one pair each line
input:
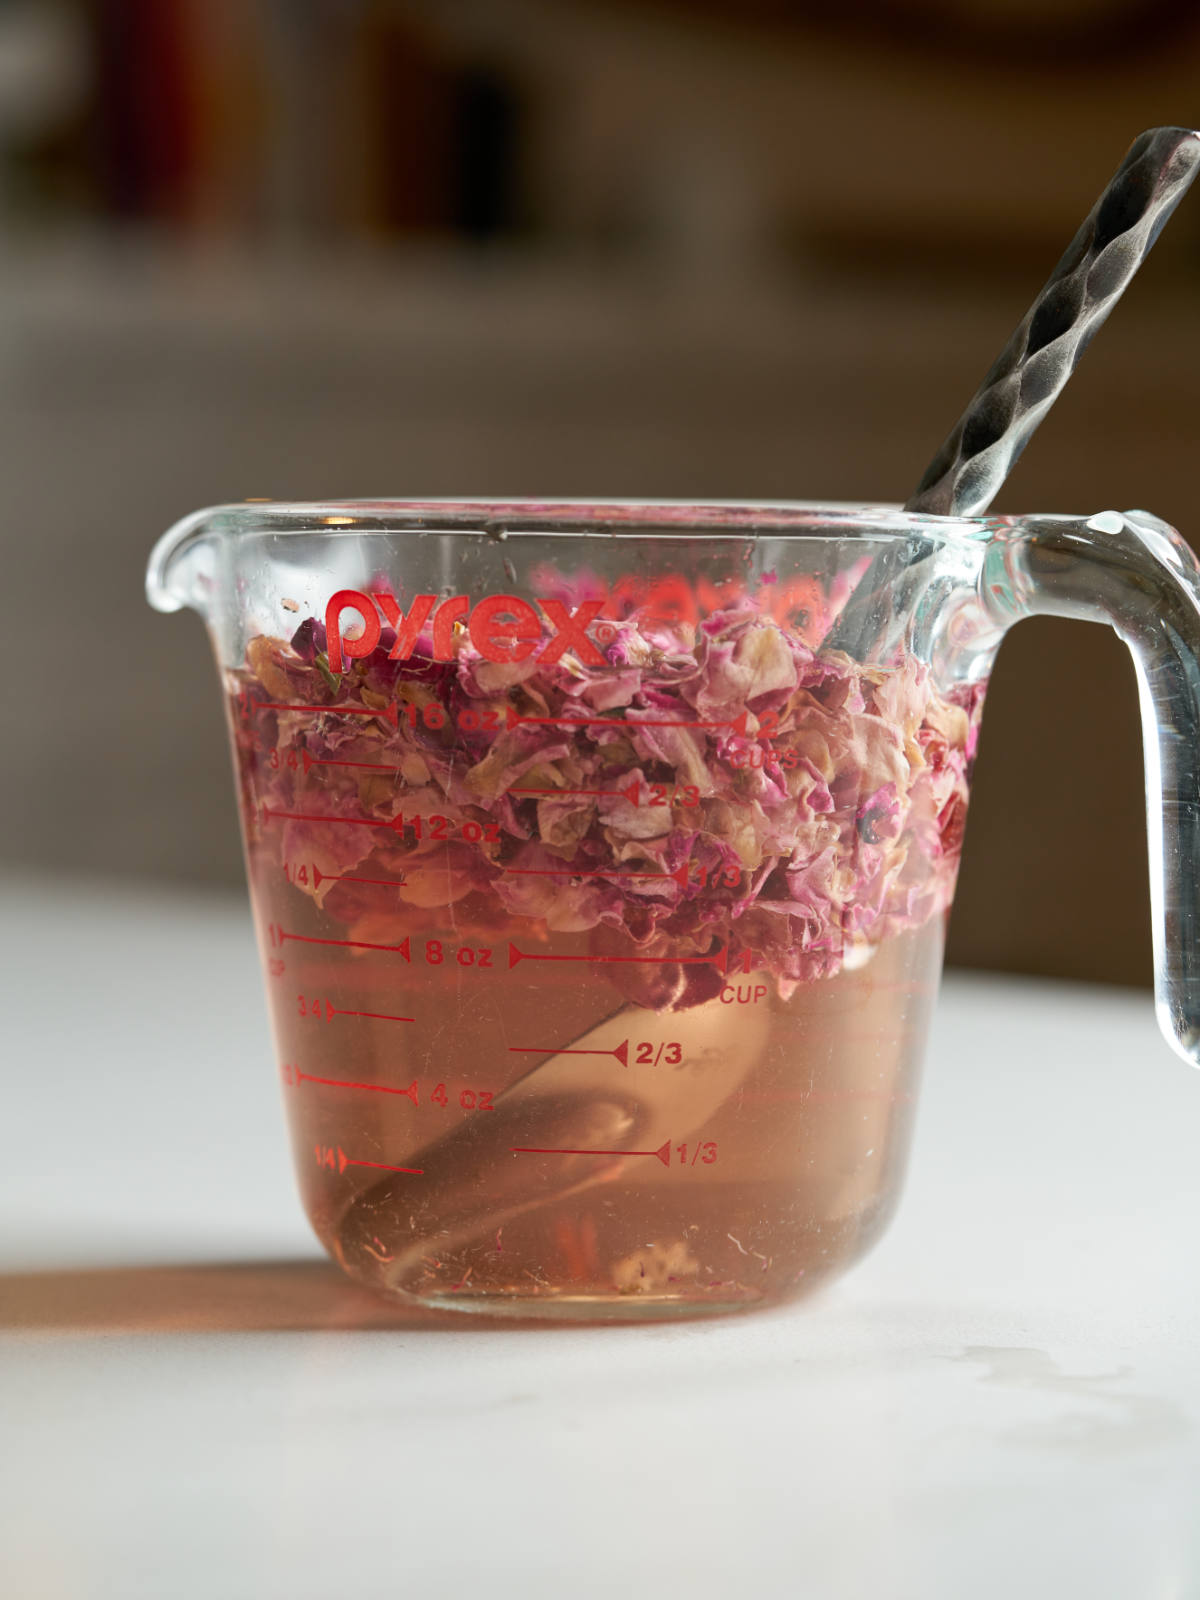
[182,567]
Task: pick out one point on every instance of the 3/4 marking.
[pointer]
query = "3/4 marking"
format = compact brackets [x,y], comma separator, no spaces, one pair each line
[318,1008]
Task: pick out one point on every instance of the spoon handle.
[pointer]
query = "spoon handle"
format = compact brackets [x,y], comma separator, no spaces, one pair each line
[1033,369]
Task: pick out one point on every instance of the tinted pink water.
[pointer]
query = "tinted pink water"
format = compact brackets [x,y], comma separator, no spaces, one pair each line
[731,1153]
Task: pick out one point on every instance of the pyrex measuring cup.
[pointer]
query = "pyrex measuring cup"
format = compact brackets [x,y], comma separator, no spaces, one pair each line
[601,884]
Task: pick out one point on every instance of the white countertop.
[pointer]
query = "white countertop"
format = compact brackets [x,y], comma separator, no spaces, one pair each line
[1002,1400]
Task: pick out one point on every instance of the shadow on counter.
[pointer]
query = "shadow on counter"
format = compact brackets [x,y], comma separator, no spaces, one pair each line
[215,1297]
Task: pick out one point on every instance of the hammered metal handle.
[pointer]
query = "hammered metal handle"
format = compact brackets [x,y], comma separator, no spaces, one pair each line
[1024,383]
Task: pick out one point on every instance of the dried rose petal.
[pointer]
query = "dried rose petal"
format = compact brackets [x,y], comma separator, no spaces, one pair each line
[652,817]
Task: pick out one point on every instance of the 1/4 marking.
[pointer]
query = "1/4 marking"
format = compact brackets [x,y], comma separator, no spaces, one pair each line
[335,1159]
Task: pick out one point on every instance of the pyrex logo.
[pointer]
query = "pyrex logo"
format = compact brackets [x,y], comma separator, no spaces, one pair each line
[502,627]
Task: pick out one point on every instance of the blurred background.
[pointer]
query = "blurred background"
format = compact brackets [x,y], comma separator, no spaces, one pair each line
[693,248]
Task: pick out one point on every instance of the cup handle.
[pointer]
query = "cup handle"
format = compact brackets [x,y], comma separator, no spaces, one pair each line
[1136,573]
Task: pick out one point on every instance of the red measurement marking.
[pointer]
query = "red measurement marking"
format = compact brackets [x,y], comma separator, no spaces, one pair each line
[630,793]
[719,958]
[515,720]
[345,1161]
[316,1007]
[395,823]
[320,877]
[400,949]
[389,713]
[332,1011]
[298,1077]
[621,1052]
[679,876]
[328,761]
[663,1153]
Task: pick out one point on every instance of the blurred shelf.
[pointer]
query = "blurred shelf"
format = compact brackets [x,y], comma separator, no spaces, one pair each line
[135,385]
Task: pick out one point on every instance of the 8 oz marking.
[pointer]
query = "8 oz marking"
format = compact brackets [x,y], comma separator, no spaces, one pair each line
[466,955]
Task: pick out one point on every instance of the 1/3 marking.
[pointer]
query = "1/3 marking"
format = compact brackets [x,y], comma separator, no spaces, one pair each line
[718,877]
[705,1149]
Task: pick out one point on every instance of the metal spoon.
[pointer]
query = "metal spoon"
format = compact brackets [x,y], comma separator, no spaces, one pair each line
[474,1183]
[586,1111]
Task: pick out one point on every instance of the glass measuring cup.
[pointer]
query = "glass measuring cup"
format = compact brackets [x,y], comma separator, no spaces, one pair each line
[600,871]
